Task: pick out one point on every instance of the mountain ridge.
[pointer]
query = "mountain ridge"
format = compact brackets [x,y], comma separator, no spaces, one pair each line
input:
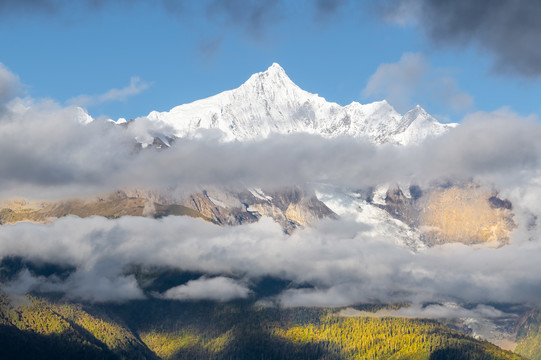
[270,102]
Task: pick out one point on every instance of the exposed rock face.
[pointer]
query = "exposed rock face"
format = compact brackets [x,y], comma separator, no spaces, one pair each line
[291,208]
[112,206]
[402,207]
[220,212]
[466,214]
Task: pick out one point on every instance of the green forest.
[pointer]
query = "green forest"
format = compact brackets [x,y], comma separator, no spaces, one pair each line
[33,327]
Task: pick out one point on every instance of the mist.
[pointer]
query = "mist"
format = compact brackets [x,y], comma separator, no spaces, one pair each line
[343,267]
[50,153]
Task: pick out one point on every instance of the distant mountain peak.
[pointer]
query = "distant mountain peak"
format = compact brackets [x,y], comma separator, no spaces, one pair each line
[418,109]
[273,72]
[270,103]
[275,67]
[416,112]
[273,79]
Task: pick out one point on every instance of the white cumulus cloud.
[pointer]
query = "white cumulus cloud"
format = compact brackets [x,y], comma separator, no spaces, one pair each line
[135,87]
[217,288]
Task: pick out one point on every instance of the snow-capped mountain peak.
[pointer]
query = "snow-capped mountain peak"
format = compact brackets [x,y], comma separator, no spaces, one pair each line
[270,102]
[418,125]
[274,74]
[272,85]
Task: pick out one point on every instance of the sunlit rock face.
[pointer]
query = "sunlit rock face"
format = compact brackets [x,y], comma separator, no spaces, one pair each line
[112,206]
[291,208]
[465,213]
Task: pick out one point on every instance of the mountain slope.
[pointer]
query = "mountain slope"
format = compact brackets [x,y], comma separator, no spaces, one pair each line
[158,329]
[290,207]
[270,103]
[529,336]
[34,328]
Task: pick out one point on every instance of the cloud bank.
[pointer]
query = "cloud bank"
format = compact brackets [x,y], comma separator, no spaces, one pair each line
[343,266]
[62,157]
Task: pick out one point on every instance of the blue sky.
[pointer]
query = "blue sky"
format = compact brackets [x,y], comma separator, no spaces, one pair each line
[165,53]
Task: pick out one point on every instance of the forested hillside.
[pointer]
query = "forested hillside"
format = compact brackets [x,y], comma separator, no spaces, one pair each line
[33,327]
[529,336]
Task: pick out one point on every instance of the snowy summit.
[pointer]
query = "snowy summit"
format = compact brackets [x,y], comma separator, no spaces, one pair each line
[270,103]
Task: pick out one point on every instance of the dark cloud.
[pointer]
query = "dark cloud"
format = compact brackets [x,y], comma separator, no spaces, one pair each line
[175,6]
[251,15]
[49,7]
[209,48]
[54,8]
[509,29]
[29,6]
[326,9]
[329,6]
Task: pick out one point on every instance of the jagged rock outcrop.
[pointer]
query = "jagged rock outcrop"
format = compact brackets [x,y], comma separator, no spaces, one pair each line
[291,208]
